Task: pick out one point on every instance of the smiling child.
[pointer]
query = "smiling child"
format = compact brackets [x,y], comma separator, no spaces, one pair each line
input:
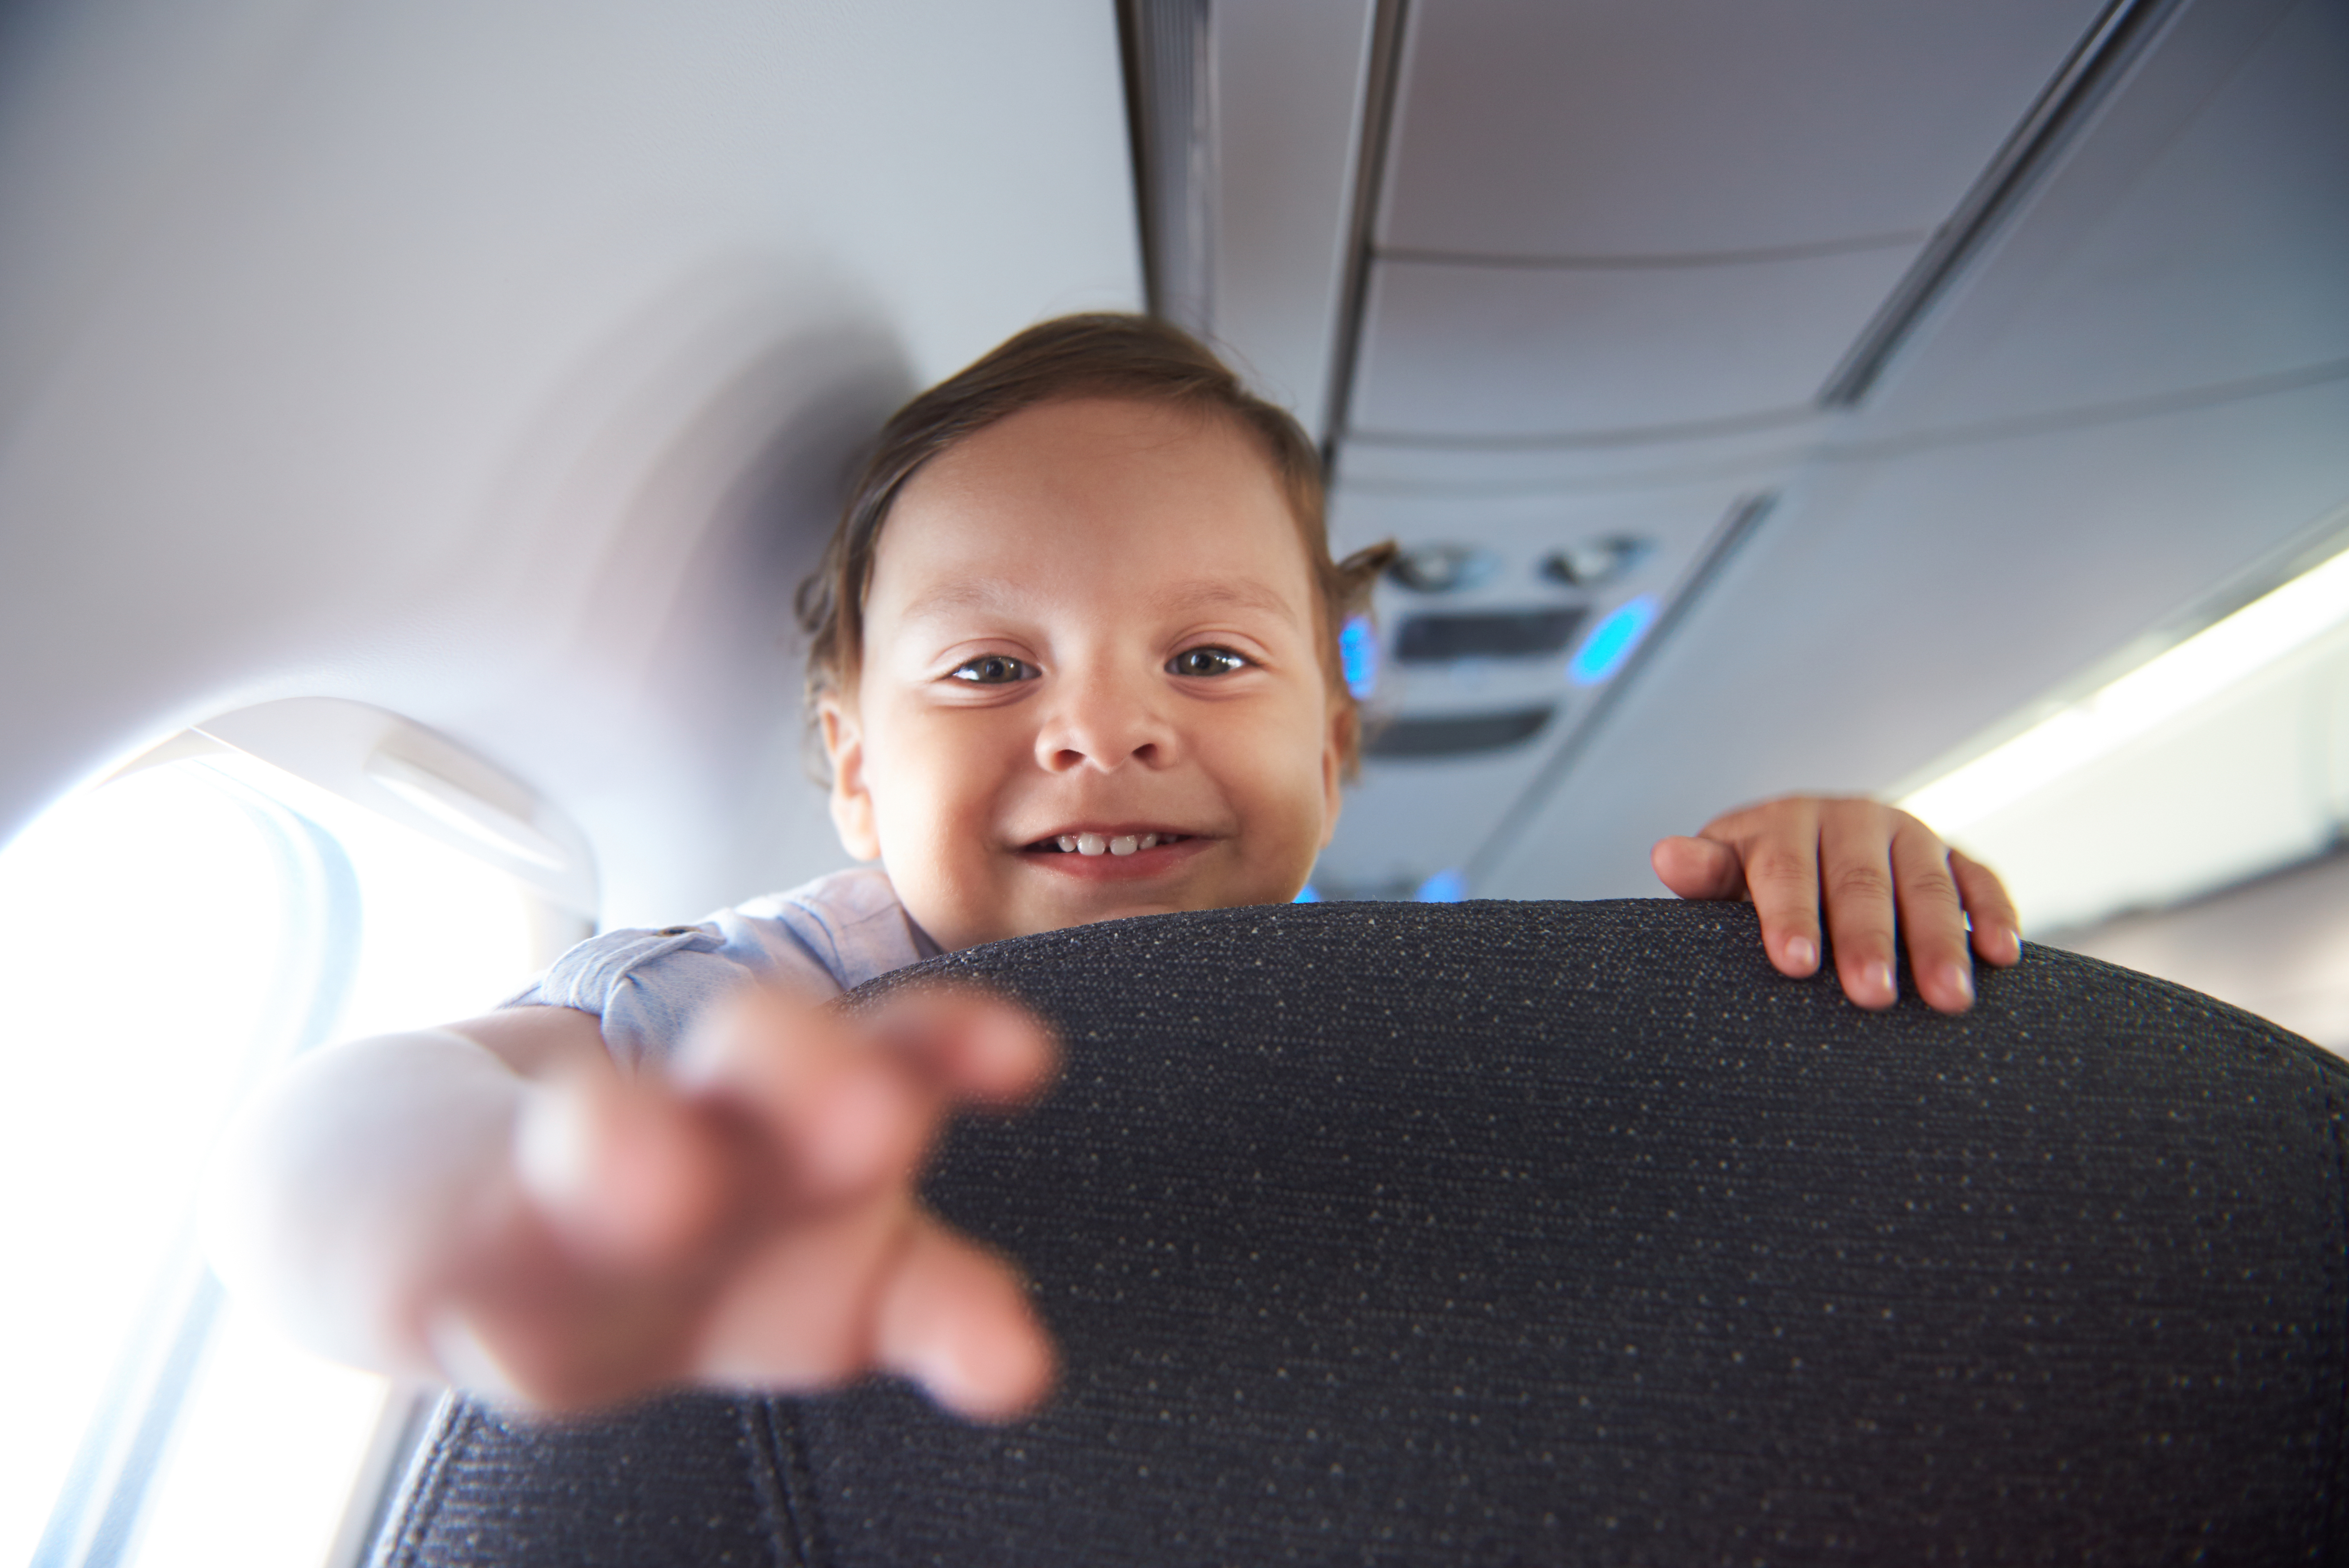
[1073,657]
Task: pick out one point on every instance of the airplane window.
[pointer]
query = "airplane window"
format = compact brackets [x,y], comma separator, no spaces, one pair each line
[164,939]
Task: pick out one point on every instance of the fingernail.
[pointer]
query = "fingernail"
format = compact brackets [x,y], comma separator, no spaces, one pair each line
[1961,980]
[1802,953]
[1880,981]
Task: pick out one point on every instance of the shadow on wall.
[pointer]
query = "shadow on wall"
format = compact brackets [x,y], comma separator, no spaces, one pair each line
[2277,945]
[666,507]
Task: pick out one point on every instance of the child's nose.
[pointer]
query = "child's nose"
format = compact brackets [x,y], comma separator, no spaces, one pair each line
[1103,722]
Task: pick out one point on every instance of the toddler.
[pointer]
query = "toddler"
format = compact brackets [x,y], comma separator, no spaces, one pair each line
[1073,656]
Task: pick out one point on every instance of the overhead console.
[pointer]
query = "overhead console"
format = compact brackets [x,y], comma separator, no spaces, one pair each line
[1763,349]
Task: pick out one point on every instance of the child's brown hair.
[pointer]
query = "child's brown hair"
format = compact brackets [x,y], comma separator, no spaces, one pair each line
[1099,354]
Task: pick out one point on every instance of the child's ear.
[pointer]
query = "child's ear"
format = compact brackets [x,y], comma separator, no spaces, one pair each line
[852,802]
[1345,723]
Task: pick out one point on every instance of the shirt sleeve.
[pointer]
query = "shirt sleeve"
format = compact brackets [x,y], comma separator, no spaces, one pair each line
[818,940]
[648,986]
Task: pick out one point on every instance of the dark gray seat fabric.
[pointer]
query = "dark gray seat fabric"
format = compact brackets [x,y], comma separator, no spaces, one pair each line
[1554,1232]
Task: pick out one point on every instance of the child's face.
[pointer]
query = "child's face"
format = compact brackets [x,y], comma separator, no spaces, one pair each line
[1092,618]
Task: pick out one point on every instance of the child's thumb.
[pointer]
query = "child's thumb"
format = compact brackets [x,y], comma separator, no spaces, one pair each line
[1698,867]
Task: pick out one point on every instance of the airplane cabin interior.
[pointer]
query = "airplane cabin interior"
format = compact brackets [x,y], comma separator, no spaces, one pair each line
[419,418]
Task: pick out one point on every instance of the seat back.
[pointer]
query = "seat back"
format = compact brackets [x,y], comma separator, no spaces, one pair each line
[1558,1232]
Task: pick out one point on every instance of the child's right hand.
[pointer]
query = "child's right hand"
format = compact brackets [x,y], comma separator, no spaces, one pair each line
[747,1220]
[496,1203]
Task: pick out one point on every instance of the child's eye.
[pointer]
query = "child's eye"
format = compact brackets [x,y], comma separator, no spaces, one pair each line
[994,669]
[1206,662]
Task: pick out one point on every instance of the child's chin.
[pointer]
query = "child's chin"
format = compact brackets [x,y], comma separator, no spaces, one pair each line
[1087,896]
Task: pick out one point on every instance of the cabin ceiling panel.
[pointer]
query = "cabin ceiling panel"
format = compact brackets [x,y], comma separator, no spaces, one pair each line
[1289,85]
[1513,353]
[1406,820]
[1894,607]
[1521,527]
[1758,451]
[1640,128]
[2199,240]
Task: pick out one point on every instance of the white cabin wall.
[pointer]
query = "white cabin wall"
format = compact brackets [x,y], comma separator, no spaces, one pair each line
[497,363]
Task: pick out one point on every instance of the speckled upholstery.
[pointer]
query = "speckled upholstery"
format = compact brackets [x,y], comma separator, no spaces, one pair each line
[1560,1232]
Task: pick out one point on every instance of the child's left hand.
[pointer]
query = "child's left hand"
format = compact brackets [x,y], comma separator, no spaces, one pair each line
[1868,861]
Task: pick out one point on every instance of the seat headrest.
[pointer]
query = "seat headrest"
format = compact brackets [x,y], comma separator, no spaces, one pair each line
[1504,1231]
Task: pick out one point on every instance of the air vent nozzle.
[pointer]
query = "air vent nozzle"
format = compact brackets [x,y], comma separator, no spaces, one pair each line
[1494,634]
[1457,733]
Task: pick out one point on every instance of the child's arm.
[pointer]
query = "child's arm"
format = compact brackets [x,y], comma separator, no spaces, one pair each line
[496,1203]
[1868,861]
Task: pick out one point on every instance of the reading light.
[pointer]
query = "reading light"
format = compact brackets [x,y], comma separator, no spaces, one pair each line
[2206,664]
[1596,562]
[1444,568]
[1612,640]
[1358,655]
[1443,887]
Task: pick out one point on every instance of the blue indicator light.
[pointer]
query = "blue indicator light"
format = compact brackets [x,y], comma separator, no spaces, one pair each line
[1306,895]
[1358,653]
[1443,887]
[1611,642]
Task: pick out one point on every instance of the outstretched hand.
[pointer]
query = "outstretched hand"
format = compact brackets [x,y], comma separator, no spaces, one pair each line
[1877,870]
[749,1219]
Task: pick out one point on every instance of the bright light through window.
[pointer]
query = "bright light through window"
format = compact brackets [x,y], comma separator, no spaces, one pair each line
[2205,665]
[163,940]
[141,931]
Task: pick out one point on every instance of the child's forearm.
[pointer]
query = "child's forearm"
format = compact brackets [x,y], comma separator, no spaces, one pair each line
[349,1187]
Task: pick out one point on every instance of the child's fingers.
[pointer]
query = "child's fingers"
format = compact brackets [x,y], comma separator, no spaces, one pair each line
[799,1306]
[1855,874]
[1930,918]
[881,1285]
[955,1319]
[1698,867]
[532,1320]
[625,1173]
[837,1117]
[1779,847]
[976,1045]
[1997,933]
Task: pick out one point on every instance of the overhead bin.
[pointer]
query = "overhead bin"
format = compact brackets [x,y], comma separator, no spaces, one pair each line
[1629,128]
[1485,354]
[1614,220]
[2196,246]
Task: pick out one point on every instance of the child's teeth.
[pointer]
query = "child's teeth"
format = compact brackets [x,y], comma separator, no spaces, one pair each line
[1124,845]
[1068,843]
[1090,843]
[1149,840]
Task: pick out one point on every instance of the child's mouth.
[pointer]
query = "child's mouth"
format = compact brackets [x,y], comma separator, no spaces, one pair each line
[1090,844]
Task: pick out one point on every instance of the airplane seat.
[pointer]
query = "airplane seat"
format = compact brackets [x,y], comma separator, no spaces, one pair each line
[1556,1232]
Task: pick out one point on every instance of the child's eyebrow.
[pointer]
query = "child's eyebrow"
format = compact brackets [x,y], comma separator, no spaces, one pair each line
[1181,598]
[968,594]
[1210,593]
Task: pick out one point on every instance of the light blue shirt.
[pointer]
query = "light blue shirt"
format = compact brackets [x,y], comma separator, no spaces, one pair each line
[830,935]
